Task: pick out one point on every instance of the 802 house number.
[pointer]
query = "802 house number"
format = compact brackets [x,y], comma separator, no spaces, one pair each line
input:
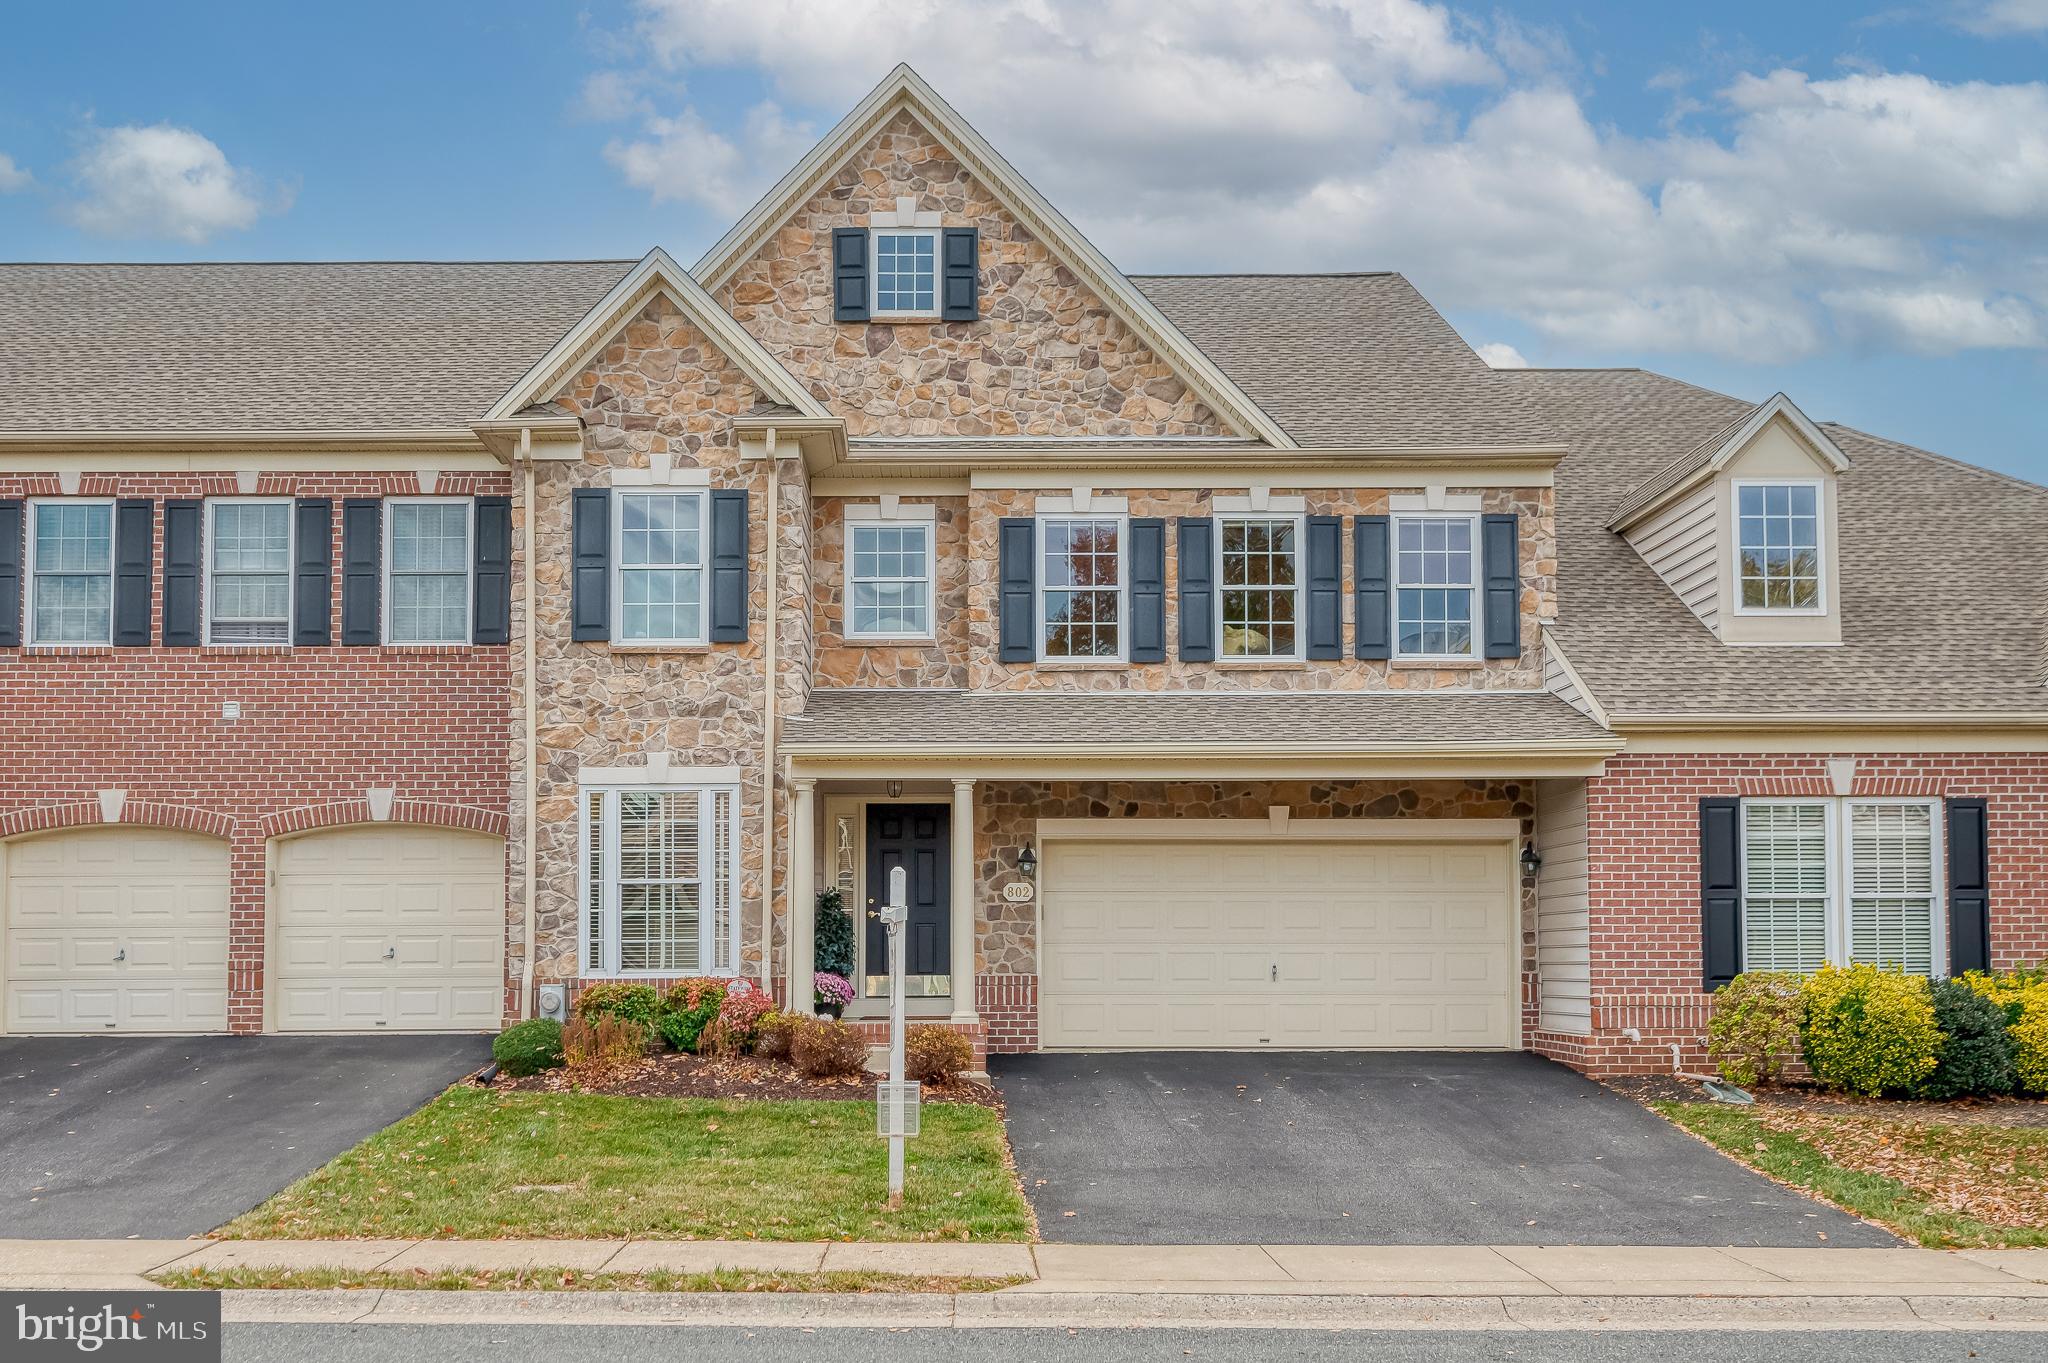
[1018,892]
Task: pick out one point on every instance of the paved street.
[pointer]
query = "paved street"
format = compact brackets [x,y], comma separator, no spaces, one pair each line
[1375,1148]
[171,1136]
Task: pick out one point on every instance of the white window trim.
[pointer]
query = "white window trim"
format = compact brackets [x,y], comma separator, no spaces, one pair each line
[880,314]
[1300,559]
[1841,867]
[618,567]
[1123,588]
[468,569]
[207,540]
[931,582]
[726,889]
[1820,544]
[1474,586]
[28,564]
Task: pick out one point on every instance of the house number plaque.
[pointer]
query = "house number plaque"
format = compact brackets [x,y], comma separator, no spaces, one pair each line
[1018,892]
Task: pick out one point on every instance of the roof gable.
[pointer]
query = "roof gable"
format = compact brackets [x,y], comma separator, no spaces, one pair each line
[1719,450]
[903,90]
[656,274]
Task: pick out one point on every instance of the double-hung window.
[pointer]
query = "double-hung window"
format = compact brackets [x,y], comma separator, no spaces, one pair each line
[427,565]
[1436,565]
[658,547]
[1259,573]
[905,274]
[71,571]
[1778,537]
[1842,881]
[248,571]
[1081,587]
[889,580]
[660,887]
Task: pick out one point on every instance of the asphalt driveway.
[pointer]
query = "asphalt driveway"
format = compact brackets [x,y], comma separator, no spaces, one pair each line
[161,1137]
[1375,1148]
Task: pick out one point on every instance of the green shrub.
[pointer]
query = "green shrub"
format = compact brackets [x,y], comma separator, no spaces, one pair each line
[1976,1058]
[834,947]
[634,1003]
[1754,1032]
[2023,995]
[529,1047]
[1867,1030]
[686,1009]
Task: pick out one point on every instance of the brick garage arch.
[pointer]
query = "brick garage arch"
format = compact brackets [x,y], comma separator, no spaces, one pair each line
[139,813]
[342,813]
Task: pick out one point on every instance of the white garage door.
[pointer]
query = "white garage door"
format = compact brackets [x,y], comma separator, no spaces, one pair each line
[117,929]
[389,928]
[1281,944]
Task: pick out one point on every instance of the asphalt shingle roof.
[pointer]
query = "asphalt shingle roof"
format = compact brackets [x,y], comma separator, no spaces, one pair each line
[898,717]
[1943,571]
[361,347]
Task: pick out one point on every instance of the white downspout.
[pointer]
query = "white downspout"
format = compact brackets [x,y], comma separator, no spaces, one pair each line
[528,987]
[774,520]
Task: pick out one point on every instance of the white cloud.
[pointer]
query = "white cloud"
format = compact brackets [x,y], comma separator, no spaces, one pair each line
[1868,208]
[1997,18]
[13,177]
[1501,355]
[164,182]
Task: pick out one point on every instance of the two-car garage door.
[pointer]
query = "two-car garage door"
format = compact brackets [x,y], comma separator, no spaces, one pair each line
[1280,943]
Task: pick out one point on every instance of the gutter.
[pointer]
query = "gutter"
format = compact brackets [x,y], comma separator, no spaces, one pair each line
[1651,722]
[1605,745]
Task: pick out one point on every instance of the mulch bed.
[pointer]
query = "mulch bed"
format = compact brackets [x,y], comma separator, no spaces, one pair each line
[674,1074]
[2026,1112]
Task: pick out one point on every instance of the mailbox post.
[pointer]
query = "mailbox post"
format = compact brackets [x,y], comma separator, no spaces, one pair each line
[896,1102]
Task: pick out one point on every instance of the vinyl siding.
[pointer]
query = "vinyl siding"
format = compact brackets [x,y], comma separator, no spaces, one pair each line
[1681,543]
[1558,681]
[1563,956]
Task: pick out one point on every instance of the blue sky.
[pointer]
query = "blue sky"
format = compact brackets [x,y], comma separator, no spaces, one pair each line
[1848,202]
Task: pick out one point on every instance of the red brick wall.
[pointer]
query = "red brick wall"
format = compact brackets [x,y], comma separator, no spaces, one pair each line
[1008,1006]
[1643,850]
[319,726]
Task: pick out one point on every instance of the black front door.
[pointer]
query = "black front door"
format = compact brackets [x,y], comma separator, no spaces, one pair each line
[914,837]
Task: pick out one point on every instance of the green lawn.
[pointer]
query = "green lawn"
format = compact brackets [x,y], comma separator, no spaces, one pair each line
[475,1164]
[1945,1186]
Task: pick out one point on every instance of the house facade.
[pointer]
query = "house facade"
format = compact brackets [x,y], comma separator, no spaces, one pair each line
[1227,661]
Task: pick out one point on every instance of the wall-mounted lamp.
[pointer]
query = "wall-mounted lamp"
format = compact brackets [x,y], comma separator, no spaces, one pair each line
[1531,863]
[1027,864]
[895,790]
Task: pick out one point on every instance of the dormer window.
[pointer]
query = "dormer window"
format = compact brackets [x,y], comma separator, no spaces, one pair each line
[1778,539]
[906,273]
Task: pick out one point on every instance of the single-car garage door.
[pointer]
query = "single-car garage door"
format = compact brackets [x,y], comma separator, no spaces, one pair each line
[1281,943]
[116,930]
[389,927]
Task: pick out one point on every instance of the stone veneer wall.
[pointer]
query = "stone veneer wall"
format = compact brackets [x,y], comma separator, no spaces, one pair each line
[1046,357]
[940,663]
[1539,603]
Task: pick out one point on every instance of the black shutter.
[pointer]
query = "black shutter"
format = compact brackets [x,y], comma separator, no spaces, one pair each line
[1720,890]
[1197,589]
[362,564]
[729,566]
[849,274]
[1325,587]
[960,274]
[1500,537]
[11,542]
[134,550]
[1373,627]
[184,522]
[1969,886]
[313,573]
[491,608]
[1148,590]
[1017,589]
[590,557]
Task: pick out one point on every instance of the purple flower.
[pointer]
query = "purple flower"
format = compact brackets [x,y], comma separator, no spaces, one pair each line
[831,988]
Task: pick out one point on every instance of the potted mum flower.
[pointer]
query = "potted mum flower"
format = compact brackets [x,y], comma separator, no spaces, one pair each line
[831,993]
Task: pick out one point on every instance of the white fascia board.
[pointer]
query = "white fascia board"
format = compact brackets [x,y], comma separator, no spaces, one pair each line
[657,272]
[903,89]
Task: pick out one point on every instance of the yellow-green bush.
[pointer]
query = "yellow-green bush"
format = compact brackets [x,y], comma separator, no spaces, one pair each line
[2023,994]
[1754,1032]
[1868,1030]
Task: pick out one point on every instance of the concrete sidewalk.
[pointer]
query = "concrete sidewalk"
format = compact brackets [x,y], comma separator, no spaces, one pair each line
[1451,1271]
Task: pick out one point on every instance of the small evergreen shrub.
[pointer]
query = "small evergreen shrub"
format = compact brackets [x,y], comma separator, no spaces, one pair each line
[774,1033]
[936,1055]
[1867,1030]
[834,948]
[1976,1059]
[2023,995]
[825,1048]
[739,1015]
[687,1009]
[529,1047]
[633,1003]
[1754,1032]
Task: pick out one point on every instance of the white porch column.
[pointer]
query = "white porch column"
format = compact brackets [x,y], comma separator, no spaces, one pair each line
[803,910]
[963,899]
